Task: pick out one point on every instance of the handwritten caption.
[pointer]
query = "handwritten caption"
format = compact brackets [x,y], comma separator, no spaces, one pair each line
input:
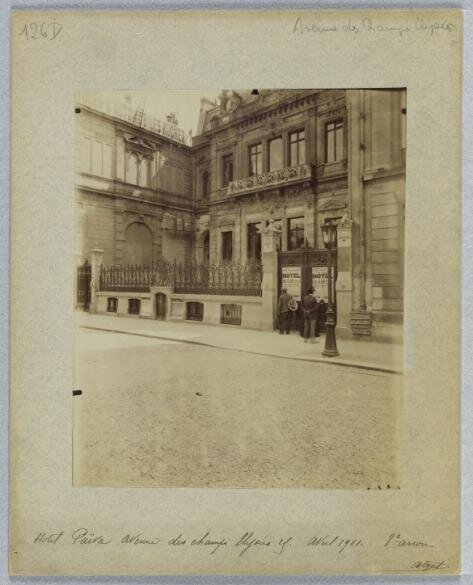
[212,543]
[370,26]
[47,31]
[241,545]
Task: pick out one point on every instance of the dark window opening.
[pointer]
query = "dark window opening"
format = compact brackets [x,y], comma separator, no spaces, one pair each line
[206,249]
[112,304]
[227,246]
[254,242]
[134,306]
[334,141]
[275,154]
[227,169]
[297,148]
[256,159]
[205,185]
[295,233]
[230,314]
[194,311]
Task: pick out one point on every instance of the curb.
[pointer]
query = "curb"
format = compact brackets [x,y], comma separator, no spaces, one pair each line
[337,362]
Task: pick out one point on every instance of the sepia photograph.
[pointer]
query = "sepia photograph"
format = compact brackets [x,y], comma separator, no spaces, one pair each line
[235,296]
[239,288]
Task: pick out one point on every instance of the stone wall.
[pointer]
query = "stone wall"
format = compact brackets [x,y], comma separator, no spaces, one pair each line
[250,308]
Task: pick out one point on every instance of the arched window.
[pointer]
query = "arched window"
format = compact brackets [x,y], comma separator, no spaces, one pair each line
[138,245]
[132,169]
[205,185]
[144,172]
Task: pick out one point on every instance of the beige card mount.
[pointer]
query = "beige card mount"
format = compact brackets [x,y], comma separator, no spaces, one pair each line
[227,350]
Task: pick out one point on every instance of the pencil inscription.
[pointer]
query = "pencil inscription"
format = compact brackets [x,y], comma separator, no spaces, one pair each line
[44,30]
[369,25]
[396,540]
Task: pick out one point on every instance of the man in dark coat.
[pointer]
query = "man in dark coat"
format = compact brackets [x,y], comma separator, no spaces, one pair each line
[310,308]
[284,312]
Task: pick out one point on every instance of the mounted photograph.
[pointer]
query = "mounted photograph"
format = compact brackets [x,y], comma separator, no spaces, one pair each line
[239,288]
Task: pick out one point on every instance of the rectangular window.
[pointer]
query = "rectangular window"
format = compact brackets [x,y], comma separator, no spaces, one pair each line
[227,246]
[227,169]
[230,314]
[334,141]
[275,154]
[297,148]
[295,233]
[254,241]
[112,304]
[205,185]
[194,311]
[134,306]
[256,159]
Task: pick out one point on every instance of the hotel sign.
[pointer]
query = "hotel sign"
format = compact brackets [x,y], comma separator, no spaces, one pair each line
[291,280]
[320,282]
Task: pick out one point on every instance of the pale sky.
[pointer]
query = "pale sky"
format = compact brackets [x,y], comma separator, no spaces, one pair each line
[186,104]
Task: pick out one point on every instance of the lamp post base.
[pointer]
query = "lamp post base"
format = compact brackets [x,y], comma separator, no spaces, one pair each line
[330,349]
[330,352]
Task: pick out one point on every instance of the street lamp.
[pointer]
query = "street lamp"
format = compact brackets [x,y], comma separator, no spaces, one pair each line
[329,234]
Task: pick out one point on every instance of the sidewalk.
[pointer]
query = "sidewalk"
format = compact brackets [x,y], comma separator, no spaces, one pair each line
[361,353]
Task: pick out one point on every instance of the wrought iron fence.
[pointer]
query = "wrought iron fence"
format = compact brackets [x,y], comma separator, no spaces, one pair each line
[228,278]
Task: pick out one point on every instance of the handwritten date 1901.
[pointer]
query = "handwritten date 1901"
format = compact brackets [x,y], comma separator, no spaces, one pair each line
[46,30]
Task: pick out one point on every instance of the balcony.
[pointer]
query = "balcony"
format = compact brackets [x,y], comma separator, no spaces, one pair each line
[270,180]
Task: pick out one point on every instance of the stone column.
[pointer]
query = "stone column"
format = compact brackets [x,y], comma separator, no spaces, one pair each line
[344,285]
[269,285]
[96,259]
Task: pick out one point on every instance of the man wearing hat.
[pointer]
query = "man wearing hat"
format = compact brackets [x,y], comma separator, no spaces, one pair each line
[284,312]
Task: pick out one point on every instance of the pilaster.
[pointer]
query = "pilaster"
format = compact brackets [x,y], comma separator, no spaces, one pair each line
[269,285]
[344,285]
[96,259]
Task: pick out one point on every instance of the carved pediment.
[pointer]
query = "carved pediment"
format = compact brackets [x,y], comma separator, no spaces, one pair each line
[139,143]
[333,204]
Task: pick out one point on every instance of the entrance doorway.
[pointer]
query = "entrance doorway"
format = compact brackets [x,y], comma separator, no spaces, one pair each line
[161,302]
[303,268]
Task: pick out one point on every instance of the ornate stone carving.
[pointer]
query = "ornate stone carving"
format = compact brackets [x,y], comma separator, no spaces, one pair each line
[273,124]
[229,101]
[271,179]
[345,220]
[272,227]
[138,143]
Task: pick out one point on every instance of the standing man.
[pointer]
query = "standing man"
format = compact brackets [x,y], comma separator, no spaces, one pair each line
[310,308]
[284,312]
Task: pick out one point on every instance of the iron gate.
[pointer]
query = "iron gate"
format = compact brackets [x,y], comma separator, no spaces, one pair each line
[84,274]
[298,270]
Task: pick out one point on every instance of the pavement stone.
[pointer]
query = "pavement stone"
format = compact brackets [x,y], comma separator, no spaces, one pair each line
[362,353]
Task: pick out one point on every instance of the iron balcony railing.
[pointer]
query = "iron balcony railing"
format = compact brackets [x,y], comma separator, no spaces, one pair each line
[231,278]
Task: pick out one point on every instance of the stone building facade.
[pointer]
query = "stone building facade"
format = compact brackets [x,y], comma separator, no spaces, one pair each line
[297,158]
[134,190]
